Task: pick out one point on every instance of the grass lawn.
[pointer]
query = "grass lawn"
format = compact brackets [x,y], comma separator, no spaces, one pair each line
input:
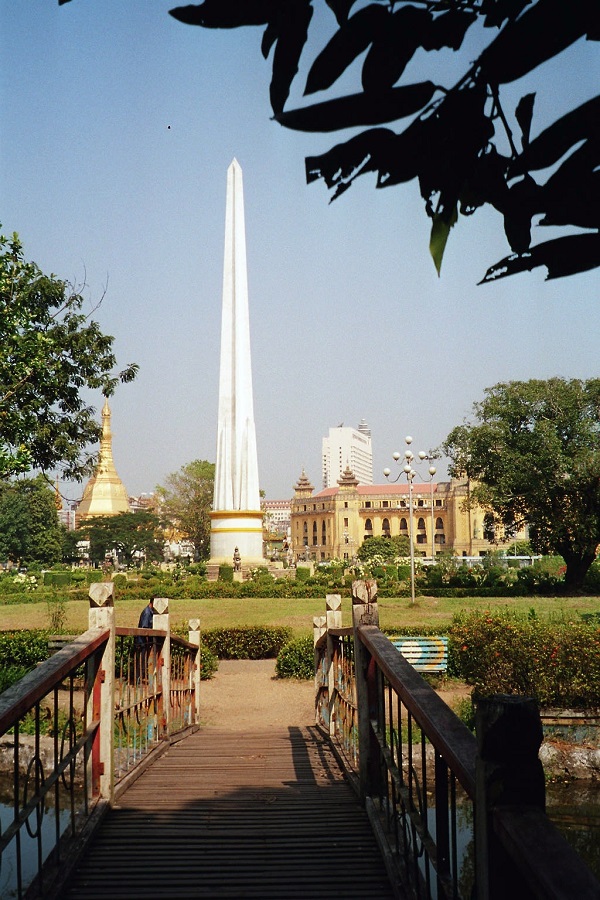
[298,614]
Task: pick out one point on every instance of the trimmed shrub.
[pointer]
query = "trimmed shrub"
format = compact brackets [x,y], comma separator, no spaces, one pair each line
[557,663]
[296,659]
[226,574]
[302,573]
[57,579]
[260,642]
[23,648]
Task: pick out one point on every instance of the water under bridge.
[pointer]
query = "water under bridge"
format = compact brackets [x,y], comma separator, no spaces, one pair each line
[117,791]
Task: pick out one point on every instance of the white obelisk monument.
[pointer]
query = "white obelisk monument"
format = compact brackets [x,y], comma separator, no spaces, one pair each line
[236,517]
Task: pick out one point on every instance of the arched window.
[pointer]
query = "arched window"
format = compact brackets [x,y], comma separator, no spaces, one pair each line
[323,532]
[439,525]
[315,541]
[403,525]
[421,524]
[489,529]
[368,525]
[385,527]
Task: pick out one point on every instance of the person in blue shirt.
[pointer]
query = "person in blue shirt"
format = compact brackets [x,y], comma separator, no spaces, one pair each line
[144,644]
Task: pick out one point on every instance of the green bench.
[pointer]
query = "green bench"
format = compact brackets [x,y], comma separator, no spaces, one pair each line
[426,654]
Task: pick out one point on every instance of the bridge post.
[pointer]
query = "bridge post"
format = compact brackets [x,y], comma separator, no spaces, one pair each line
[161,622]
[101,703]
[194,638]
[508,774]
[365,612]
[333,617]
[319,628]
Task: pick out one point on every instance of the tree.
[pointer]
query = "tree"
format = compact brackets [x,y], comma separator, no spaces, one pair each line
[50,352]
[30,530]
[463,144]
[386,548]
[534,453]
[186,501]
[130,535]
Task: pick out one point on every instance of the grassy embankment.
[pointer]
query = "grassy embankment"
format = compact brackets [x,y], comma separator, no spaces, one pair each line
[298,613]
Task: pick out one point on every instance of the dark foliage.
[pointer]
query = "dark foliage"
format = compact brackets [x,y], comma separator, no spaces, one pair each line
[462,143]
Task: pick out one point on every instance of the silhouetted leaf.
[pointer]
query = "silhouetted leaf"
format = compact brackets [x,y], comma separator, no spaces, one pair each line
[538,35]
[572,195]
[522,202]
[440,229]
[393,47]
[359,109]
[292,28]
[496,11]
[352,38]
[226,13]
[343,163]
[554,141]
[340,9]
[562,256]
[269,37]
[485,183]
[448,29]
[523,114]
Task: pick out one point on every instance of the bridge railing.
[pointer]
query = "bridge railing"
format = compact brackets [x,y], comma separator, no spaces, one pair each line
[456,816]
[75,730]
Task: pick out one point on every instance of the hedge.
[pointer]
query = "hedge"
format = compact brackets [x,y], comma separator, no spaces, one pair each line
[251,642]
[557,663]
[296,659]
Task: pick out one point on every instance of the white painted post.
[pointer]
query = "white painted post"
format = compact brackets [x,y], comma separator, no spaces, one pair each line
[161,623]
[101,615]
[365,612]
[334,620]
[318,631]
[194,638]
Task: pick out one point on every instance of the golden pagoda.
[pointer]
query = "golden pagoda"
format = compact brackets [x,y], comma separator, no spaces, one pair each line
[104,494]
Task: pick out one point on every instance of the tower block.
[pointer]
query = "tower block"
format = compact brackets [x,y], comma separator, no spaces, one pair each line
[236,517]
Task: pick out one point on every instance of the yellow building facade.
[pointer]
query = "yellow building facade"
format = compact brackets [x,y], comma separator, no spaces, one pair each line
[333,523]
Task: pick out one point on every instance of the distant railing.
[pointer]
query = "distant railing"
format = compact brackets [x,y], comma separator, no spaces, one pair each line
[456,816]
[79,727]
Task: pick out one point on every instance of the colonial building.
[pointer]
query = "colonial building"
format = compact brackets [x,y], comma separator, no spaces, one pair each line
[333,523]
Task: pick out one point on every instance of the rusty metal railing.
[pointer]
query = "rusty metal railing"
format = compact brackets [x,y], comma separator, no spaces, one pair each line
[49,722]
[456,816]
[79,727]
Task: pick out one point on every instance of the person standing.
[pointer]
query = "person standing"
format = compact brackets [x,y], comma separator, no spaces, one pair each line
[143,644]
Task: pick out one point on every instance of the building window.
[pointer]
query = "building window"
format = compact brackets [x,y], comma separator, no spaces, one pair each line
[440,539]
[439,525]
[385,504]
[421,538]
[420,502]
[305,528]
[385,527]
[438,502]
[345,523]
[368,504]
[489,530]
[368,525]
[323,533]
[345,504]
[403,525]
[314,536]
[421,524]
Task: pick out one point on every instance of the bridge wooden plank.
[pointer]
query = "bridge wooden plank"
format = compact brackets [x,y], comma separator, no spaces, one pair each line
[227,814]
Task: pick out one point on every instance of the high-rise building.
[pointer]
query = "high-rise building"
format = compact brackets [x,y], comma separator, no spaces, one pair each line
[236,517]
[348,447]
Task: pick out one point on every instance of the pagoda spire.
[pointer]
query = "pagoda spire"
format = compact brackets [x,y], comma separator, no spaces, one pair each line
[104,494]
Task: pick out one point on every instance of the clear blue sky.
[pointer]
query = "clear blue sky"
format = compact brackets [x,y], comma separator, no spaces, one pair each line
[117,127]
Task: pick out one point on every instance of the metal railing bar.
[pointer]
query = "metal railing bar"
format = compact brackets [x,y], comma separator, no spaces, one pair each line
[444,730]
[37,684]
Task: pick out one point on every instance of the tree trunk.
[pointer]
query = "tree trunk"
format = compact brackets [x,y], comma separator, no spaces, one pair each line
[577,568]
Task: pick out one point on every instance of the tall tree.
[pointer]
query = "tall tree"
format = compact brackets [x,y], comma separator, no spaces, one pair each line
[185,503]
[130,535]
[50,351]
[30,531]
[464,143]
[534,453]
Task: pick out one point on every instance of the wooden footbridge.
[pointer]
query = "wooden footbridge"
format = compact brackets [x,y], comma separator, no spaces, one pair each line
[118,793]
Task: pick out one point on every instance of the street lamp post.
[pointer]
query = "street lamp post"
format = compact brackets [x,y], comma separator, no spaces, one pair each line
[410,473]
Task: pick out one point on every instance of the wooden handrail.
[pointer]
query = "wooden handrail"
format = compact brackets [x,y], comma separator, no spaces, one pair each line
[33,687]
[444,730]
